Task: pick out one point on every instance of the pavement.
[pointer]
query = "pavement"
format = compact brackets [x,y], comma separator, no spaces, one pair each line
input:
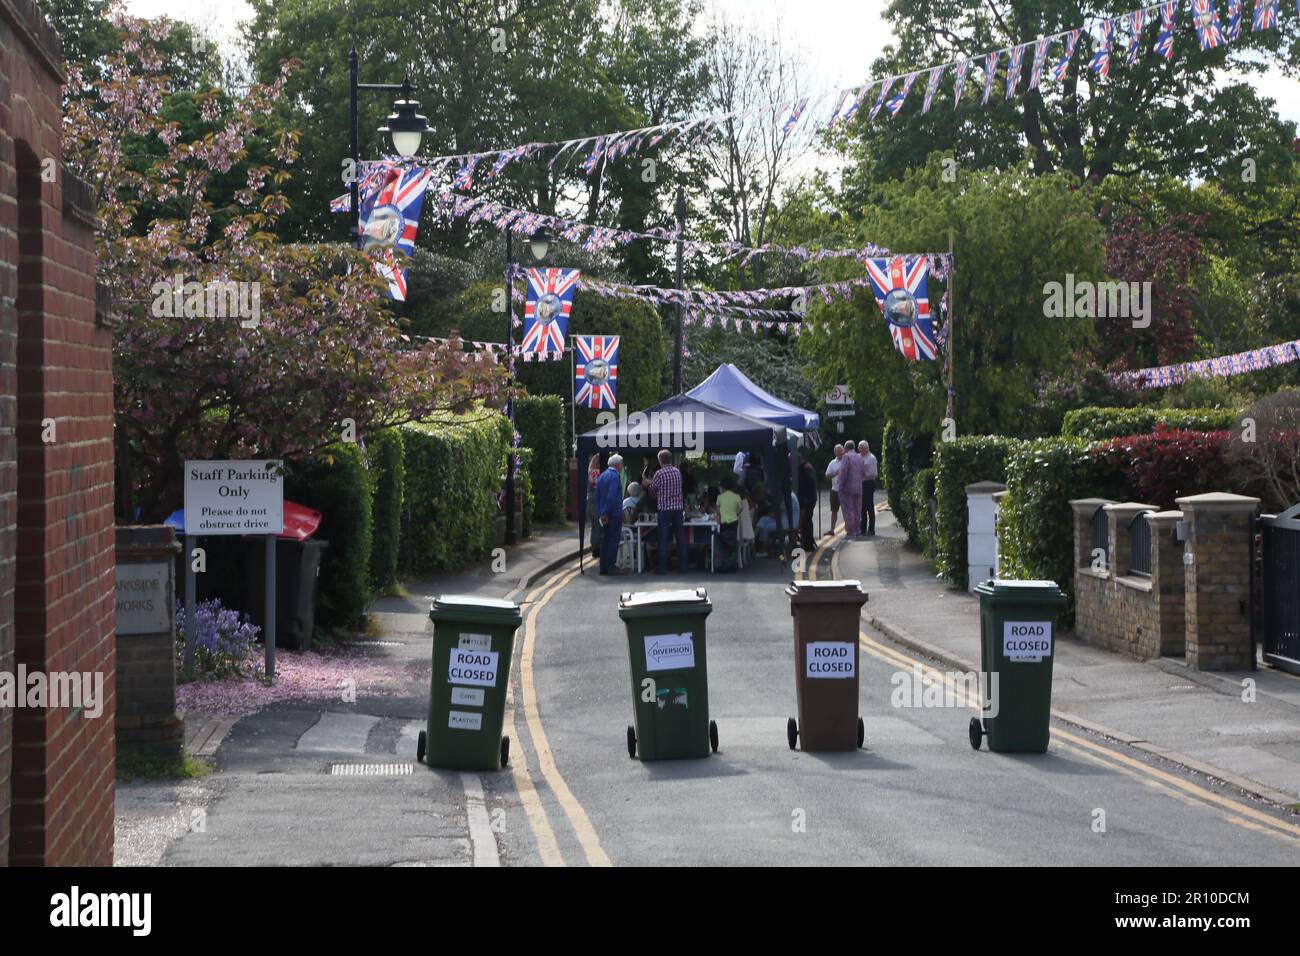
[1241,727]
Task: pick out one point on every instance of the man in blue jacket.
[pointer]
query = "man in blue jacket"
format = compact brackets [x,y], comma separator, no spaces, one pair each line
[609,512]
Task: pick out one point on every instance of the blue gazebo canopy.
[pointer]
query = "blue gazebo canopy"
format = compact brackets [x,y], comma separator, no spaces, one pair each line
[729,388]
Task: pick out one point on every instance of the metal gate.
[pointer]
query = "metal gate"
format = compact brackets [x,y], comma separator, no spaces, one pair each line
[1280,588]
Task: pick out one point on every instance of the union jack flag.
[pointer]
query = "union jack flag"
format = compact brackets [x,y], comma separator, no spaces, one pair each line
[1165,41]
[899,285]
[1040,58]
[1101,59]
[389,219]
[1206,22]
[1136,21]
[595,363]
[990,68]
[1013,69]
[794,117]
[896,101]
[464,177]
[369,182]
[1233,31]
[856,105]
[884,91]
[962,69]
[1063,64]
[931,88]
[546,308]
[1266,14]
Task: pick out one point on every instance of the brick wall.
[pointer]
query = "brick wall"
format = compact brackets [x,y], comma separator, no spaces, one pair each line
[56,521]
[1217,578]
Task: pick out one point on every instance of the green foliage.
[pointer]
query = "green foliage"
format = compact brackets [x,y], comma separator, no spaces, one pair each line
[765,358]
[919,492]
[433,282]
[1096,424]
[454,468]
[957,464]
[642,349]
[540,420]
[1035,523]
[337,484]
[902,455]
[387,473]
[524,488]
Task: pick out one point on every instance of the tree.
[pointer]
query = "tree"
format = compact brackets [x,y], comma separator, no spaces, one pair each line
[227,343]
[1014,233]
[1155,117]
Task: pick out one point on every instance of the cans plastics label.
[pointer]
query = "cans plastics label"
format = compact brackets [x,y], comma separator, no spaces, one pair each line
[462,720]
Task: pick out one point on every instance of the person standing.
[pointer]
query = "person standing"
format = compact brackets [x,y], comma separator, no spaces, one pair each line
[593,476]
[807,501]
[833,473]
[729,508]
[870,470]
[738,468]
[852,468]
[609,512]
[666,486]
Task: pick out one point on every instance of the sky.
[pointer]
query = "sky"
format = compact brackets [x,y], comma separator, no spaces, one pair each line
[841,37]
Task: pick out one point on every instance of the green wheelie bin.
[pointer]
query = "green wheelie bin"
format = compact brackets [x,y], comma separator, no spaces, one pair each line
[473,643]
[1017,639]
[670,687]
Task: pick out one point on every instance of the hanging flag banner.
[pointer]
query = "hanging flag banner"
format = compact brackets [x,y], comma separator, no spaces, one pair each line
[388,222]
[931,88]
[1165,38]
[1206,22]
[1101,58]
[896,101]
[1040,59]
[991,68]
[1136,20]
[1063,64]
[595,362]
[963,68]
[1013,69]
[1266,15]
[899,285]
[1222,366]
[546,309]
[884,91]
[1233,31]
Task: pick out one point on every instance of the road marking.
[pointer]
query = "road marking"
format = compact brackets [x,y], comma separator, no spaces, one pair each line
[372,769]
[480,827]
[582,827]
[547,847]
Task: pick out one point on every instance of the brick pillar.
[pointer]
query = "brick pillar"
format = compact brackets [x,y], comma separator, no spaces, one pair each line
[1217,581]
[1084,509]
[1168,583]
[147,722]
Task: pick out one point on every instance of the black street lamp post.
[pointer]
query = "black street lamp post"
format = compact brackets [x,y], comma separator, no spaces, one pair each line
[406,127]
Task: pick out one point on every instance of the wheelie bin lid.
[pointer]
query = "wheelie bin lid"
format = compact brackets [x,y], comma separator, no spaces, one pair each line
[827,592]
[1021,592]
[638,604]
[473,609]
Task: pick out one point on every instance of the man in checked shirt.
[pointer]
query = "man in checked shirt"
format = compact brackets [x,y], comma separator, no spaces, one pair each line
[666,486]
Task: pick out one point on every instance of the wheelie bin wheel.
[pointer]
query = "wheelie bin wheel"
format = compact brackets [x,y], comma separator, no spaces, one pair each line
[419,747]
[713,735]
[631,742]
[792,731]
[976,732]
[505,751]
[862,732]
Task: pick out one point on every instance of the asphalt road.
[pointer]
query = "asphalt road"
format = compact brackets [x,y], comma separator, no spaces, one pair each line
[917,794]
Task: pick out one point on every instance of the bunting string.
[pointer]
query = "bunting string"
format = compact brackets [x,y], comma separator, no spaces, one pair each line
[1223,366]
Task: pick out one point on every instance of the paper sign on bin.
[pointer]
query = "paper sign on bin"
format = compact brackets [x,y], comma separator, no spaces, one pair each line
[830,659]
[1026,640]
[478,668]
[669,652]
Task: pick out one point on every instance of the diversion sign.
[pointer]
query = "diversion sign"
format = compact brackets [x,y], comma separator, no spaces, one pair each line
[234,497]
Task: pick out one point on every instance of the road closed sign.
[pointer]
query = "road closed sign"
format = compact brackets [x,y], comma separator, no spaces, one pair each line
[234,497]
[830,659]
[474,667]
[1026,640]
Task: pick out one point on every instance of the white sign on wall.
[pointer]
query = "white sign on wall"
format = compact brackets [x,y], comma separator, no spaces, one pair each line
[839,395]
[142,602]
[234,497]
[1026,640]
[669,652]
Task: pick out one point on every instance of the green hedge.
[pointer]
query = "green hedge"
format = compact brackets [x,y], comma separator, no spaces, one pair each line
[959,463]
[454,468]
[919,493]
[1036,524]
[524,488]
[338,485]
[1098,424]
[540,420]
[902,455]
[387,476]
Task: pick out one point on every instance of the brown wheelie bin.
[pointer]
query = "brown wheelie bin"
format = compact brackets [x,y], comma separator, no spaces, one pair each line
[826,620]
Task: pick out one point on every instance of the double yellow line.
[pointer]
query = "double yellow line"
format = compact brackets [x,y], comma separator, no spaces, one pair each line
[547,846]
[1235,811]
